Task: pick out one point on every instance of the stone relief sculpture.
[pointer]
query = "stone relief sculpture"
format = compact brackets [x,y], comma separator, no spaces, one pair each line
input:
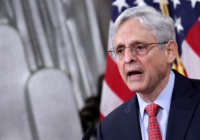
[48,66]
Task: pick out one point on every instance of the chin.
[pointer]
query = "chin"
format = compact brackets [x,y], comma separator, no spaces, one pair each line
[136,88]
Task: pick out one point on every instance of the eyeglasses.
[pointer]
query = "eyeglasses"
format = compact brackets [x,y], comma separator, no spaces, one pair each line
[138,48]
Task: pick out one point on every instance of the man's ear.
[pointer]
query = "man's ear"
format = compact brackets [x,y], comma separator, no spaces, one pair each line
[171,51]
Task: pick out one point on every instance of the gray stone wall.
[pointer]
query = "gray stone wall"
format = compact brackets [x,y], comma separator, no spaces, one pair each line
[52,53]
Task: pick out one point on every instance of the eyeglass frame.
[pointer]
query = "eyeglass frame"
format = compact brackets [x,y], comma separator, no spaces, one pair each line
[113,51]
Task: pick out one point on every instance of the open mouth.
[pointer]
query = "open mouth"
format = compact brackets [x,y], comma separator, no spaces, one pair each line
[130,73]
[134,74]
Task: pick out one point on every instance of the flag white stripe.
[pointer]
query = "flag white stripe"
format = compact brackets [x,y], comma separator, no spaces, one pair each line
[110,100]
[191,61]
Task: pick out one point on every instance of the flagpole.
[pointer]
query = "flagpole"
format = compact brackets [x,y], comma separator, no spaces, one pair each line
[179,67]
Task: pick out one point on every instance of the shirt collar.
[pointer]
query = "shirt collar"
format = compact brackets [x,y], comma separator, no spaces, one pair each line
[163,100]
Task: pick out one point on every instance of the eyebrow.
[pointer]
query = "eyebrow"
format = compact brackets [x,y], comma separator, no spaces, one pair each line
[119,46]
[132,43]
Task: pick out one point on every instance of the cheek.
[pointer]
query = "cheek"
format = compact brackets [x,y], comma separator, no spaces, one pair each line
[150,66]
[121,69]
[149,72]
[155,67]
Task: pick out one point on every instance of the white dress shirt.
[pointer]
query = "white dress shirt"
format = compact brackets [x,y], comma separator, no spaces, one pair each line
[163,100]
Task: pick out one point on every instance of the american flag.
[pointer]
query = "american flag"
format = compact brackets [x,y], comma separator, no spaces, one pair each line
[186,15]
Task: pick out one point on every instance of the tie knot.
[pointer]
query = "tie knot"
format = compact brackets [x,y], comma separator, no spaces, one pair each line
[152,109]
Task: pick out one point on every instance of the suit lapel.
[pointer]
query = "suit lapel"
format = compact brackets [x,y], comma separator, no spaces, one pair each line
[182,108]
[132,111]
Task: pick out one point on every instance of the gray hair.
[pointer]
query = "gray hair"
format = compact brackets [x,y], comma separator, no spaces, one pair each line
[162,26]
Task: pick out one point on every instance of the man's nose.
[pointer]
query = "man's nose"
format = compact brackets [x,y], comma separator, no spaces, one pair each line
[129,55]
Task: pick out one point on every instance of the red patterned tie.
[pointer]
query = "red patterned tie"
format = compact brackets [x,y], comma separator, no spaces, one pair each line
[153,126]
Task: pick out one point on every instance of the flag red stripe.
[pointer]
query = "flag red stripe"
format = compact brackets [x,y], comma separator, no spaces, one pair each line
[114,80]
[193,37]
[101,116]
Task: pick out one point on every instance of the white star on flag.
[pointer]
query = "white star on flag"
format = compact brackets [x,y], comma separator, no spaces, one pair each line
[178,25]
[175,3]
[193,2]
[158,1]
[139,2]
[120,4]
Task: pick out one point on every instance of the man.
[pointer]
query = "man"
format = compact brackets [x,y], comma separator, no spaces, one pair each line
[166,105]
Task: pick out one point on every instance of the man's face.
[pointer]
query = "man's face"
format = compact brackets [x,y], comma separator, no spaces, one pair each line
[144,73]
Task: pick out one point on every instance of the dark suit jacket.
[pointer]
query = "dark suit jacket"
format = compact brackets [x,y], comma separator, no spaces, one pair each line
[184,115]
